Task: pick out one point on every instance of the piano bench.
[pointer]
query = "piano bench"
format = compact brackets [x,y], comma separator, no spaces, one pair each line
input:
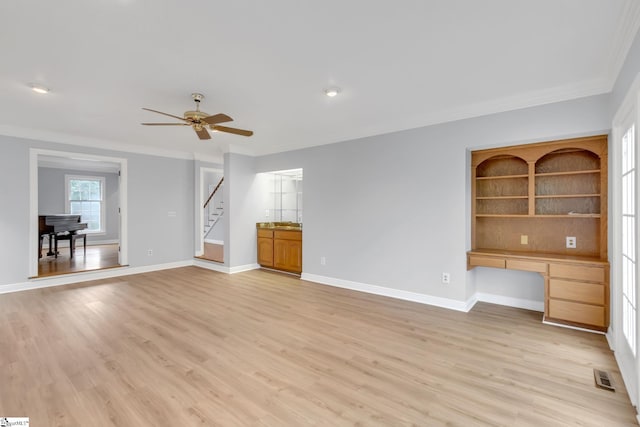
[71,237]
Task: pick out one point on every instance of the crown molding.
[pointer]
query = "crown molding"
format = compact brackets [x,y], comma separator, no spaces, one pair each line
[623,40]
[108,145]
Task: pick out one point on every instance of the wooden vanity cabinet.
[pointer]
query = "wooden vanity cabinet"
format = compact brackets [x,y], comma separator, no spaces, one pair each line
[526,200]
[280,249]
[265,248]
[287,251]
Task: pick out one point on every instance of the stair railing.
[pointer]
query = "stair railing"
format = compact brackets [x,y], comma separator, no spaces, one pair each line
[212,193]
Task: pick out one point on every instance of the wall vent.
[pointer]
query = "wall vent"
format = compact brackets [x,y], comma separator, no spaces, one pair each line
[603,380]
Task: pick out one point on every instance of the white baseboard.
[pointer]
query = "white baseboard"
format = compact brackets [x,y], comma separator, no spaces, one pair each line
[577,328]
[86,276]
[451,304]
[241,268]
[209,265]
[511,302]
[214,242]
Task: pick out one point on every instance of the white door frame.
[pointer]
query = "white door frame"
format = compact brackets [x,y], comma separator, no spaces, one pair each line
[123,257]
[629,112]
[200,199]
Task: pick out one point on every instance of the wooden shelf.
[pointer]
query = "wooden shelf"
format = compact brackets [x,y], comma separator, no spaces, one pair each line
[501,197]
[480,178]
[563,196]
[510,207]
[579,172]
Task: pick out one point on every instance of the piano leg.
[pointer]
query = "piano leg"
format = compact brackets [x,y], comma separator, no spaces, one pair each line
[51,235]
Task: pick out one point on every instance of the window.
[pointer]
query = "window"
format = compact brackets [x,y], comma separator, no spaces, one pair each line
[628,169]
[85,197]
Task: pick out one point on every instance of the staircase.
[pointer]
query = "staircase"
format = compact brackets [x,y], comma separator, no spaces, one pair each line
[213,209]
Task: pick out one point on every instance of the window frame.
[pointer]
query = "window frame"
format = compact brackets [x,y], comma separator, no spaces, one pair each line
[101,179]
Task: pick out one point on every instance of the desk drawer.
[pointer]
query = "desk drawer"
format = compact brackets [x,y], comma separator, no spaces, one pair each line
[577,272]
[518,264]
[485,261]
[577,312]
[591,293]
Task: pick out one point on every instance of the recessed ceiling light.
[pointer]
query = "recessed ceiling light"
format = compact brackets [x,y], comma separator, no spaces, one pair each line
[38,88]
[332,91]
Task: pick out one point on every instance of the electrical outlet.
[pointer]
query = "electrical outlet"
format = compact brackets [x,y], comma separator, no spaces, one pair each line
[571,242]
[323,260]
[524,239]
[150,252]
[446,278]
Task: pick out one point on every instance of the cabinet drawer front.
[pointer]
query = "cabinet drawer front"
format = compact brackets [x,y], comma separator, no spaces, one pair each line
[265,233]
[484,261]
[577,272]
[517,264]
[576,312]
[591,293]
[287,235]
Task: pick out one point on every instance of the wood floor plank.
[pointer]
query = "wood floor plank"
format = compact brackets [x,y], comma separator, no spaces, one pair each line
[194,347]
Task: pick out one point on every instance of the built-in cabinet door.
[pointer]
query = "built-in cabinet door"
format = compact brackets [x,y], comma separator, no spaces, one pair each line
[265,251]
[288,255]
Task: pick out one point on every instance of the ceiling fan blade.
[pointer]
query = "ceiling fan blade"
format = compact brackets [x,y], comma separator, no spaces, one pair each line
[217,118]
[165,124]
[166,114]
[202,133]
[233,130]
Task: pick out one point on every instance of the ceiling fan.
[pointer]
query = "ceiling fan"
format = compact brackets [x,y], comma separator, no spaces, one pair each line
[200,121]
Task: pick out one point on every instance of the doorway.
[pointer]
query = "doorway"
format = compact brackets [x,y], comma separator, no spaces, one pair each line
[211,215]
[89,193]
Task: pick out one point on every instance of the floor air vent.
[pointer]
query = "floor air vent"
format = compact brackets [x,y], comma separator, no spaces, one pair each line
[603,380]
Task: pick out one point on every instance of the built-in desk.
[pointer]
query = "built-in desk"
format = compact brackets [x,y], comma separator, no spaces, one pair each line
[576,289]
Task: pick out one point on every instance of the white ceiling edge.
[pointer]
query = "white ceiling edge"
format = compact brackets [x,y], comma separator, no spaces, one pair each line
[630,25]
[506,104]
[64,138]
[623,40]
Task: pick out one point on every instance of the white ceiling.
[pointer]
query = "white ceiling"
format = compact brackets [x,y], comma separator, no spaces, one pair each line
[266,63]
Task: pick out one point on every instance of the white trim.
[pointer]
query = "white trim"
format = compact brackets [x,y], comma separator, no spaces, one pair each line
[103,203]
[215,266]
[451,304]
[63,138]
[242,268]
[123,257]
[526,304]
[86,276]
[577,328]
[623,39]
[214,242]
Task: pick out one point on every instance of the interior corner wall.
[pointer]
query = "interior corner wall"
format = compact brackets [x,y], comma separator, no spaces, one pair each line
[156,187]
[394,210]
[242,207]
[628,73]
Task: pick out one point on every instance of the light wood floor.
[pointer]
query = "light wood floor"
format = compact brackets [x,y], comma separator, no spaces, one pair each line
[190,347]
[98,257]
[213,252]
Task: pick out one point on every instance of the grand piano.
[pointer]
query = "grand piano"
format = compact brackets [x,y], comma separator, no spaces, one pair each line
[60,227]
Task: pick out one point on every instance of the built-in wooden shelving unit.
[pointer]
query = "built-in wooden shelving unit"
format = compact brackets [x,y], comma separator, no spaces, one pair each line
[526,200]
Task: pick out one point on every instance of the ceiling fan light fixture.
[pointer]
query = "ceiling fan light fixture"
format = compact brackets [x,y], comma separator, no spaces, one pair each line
[332,91]
[39,88]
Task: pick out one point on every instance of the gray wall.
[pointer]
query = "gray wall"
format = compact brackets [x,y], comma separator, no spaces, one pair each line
[51,198]
[394,210]
[157,185]
[243,203]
